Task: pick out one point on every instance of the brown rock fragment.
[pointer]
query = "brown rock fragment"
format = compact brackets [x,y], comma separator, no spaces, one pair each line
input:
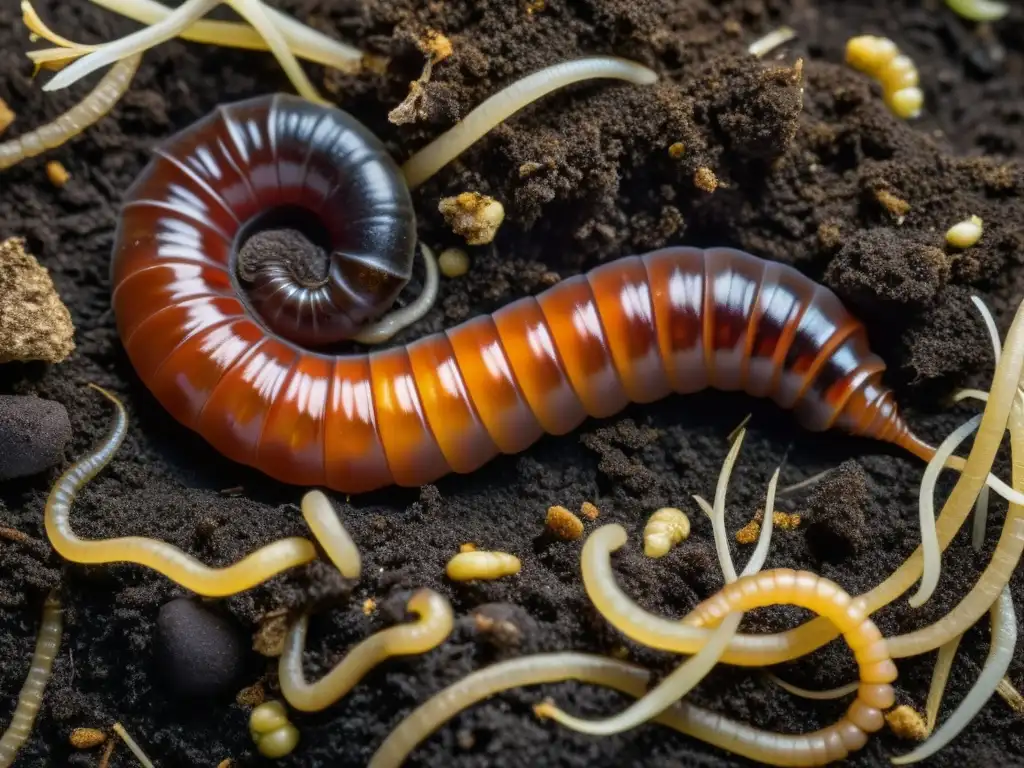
[34,323]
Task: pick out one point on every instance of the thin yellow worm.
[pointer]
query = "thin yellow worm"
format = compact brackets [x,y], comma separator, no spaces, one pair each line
[31,697]
[183,569]
[835,742]
[434,625]
[87,112]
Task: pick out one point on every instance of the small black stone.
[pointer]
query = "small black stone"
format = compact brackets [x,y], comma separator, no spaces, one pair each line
[33,434]
[200,652]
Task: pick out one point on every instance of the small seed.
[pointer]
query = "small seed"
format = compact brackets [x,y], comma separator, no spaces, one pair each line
[57,173]
[369,606]
[589,511]
[453,262]
[965,233]
[87,738]
[564,523]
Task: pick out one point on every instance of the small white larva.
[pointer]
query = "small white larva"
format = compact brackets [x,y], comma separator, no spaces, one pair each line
[665,528]
[467,566]
[966,233]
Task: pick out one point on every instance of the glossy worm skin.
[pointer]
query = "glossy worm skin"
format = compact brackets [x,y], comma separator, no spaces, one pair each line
[232,362]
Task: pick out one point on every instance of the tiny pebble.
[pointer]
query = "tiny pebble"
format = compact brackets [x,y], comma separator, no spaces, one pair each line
[33,434]
[563,523]
[200,653]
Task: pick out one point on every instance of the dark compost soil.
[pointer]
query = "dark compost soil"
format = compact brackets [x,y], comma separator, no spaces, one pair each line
[586,176]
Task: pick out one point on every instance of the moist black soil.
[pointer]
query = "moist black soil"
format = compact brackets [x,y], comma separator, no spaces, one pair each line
[804,166]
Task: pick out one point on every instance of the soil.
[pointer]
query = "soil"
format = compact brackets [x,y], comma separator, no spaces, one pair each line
[807,168]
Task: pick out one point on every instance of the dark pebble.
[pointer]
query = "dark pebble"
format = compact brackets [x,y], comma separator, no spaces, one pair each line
[200,652]
[33,434]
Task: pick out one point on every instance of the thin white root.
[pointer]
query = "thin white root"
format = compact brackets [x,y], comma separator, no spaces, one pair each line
[305,42]
[978,10]
[940,676]
[931,552]
[86,113]
[807,693]
[133,746]
[665,695]
[382,330]
[1000,654]
[502,105]
[765,45]
[173,25]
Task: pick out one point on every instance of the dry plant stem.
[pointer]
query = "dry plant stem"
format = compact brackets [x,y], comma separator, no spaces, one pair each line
[31,697]
[172,26]
[168,560]
[87,112]
[304,41]
[502,105]
[382,330]
[434,625]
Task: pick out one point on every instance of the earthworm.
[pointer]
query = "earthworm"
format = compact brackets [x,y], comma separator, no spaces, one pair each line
[164,558]
[433,626]
[31,697]
[230,361]
[94,106]
[783,585]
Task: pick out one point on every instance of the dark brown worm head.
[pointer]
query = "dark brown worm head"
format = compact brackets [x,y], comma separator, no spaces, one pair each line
[280,162]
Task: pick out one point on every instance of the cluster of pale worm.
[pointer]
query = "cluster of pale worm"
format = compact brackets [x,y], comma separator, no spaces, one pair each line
[244,356]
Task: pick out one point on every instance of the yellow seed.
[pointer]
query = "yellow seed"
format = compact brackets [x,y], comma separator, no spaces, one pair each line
[87,738]
[369,606]
[589,511]
[786,521]
[467,566]
[665,528]
[677,150]
[705,179]
[268,717]
[965,233]
[279,743]
[564,523]
[57,173]
[453,262]
[906,102]
[906,723]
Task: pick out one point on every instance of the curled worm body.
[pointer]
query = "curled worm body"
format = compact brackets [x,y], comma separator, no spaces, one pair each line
[247,366]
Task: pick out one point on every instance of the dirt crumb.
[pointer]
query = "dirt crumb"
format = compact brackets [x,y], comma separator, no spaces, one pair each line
[34,323]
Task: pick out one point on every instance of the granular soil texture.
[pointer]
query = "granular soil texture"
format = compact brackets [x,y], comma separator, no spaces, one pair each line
[798,163]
